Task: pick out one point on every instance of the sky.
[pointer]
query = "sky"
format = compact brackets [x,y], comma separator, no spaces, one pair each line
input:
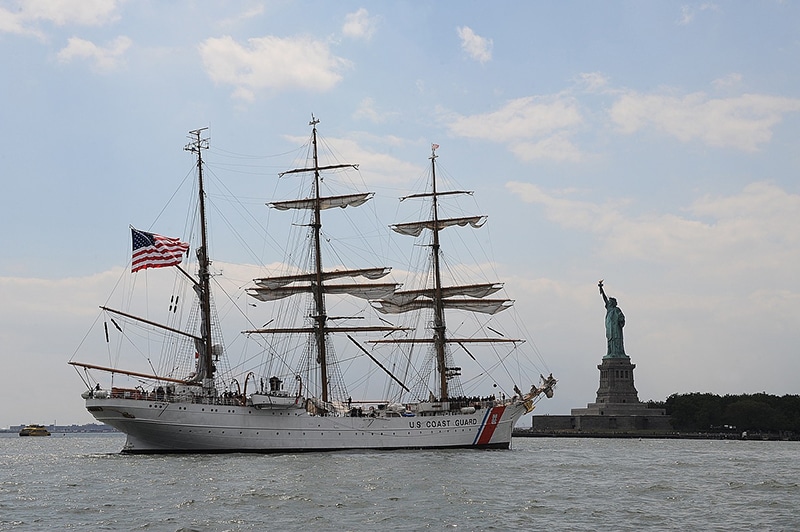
[655,145]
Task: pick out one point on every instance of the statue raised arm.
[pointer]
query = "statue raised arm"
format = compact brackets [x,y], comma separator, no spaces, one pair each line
[615,321]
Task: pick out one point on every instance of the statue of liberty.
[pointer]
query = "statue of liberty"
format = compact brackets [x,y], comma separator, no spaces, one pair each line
[615,321]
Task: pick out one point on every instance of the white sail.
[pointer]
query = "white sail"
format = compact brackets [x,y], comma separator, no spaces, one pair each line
[416,228]
[329,202]
[403,297]
[484,306]
[367,273]
[363,291]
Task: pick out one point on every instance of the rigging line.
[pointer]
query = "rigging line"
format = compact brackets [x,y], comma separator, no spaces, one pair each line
[232,228]
[501,363]
[125,336]
[87,380]
[269,350]
[88,332]
[175,193]
[233,303]
[325,147]
[258,170]
[252,221]
[219,182]
[246,156]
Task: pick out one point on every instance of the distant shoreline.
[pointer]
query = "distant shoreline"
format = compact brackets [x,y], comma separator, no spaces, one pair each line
[89,428]
[529,433]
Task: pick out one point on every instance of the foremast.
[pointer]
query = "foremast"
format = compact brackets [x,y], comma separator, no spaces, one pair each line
[203,286]
[439,297]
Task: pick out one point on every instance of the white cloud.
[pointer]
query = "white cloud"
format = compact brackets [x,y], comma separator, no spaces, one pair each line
[567,212]
[688,12]
[557,147]
[533,127]
[479,48]
[728,82]
[360,25]
[743,122]
[253,12]
[592,81]
[17,24]
[271,63]
[727,238]
[25,15]
[367,111]
[104,58]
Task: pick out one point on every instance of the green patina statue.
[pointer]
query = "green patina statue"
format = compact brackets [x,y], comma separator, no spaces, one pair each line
[615,321]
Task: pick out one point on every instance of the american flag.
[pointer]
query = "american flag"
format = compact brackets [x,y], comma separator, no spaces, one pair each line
[155,251]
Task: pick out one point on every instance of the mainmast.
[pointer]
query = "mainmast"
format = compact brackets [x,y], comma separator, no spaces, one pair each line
[196,145]
[319,298]
[318,276]
[321,283]
[439,327]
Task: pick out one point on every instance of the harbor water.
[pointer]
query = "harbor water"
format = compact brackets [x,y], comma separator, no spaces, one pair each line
[82,482]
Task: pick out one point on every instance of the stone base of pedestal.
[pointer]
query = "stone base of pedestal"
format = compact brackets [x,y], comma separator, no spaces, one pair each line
[606,421]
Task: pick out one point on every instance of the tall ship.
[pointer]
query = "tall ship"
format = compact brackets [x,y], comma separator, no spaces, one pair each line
[332,328]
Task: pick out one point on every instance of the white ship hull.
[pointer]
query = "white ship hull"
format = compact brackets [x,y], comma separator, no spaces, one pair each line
[165,427]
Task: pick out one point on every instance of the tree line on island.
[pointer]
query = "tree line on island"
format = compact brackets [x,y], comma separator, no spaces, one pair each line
[760,412]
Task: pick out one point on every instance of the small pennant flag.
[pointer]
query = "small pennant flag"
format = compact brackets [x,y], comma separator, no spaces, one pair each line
[155,251]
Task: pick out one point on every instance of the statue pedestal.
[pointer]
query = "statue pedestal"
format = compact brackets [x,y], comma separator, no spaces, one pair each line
[616,395]
[616,382]
[617,406]
[617,410]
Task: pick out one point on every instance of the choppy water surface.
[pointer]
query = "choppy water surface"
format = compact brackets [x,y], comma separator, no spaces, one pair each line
[81,482]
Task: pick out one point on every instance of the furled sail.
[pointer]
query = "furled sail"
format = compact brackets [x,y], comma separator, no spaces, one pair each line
[403,297]
[416,228]
[437,194]
[283,280]
[484,306]
[449,340]
[349,200]
[363,291]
